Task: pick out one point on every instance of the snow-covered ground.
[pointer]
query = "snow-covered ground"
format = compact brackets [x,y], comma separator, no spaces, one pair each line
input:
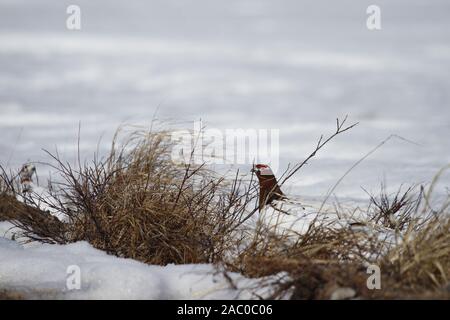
[42,271]
[290,65]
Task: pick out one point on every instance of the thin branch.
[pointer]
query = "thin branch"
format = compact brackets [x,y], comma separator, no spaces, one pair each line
[320,144]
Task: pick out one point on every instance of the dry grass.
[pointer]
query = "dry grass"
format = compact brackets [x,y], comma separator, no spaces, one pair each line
[422,260]
[137,203]
[395,211]
[10,295]
[414,259]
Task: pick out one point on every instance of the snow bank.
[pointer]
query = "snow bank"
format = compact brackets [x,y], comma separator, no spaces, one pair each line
[42,271]
[7,229]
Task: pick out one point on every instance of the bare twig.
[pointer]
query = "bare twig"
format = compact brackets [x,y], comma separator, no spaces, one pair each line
[320,144]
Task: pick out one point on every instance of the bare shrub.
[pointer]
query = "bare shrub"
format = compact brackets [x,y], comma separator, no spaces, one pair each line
[137,203]
[395,211]
[414,259]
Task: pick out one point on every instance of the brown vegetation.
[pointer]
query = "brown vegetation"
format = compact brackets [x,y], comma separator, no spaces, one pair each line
[137,203]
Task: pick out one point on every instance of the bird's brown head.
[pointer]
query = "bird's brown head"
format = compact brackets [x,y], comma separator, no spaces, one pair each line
[269,189]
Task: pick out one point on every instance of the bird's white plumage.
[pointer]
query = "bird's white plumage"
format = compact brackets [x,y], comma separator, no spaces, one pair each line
[266,171]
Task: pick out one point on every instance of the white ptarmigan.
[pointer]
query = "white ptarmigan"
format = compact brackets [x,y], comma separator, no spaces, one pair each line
[32,193]
[26,177]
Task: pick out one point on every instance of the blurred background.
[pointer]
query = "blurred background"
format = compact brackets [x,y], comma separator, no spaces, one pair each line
[290,65]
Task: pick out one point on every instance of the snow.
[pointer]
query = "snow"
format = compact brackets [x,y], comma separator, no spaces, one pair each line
[6,229]
[296,217]
[41,271]
[235,64]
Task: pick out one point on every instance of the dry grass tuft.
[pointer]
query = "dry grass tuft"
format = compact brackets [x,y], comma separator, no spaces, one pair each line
[10,295]
[413,256]
[422,260]
[137,203]
[395,211]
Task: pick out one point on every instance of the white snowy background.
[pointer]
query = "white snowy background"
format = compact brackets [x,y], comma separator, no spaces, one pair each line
[290,65]
[264,64]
